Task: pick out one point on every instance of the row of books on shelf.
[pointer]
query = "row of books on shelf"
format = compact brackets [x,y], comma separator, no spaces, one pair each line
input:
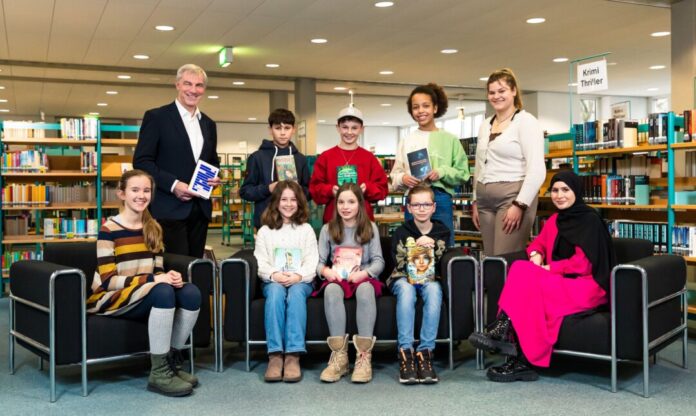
[86,128]
[684,240]
[689,125]
[24,161]
[469,145]
[19,194]
[617,189]
[36,161]
[9,257]
[21,130]
[612,133]
[70,228]
[656,232]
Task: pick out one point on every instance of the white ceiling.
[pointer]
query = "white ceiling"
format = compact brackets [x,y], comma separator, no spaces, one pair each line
[60,56]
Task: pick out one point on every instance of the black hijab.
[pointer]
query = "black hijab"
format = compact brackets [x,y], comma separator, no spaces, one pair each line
[580,225]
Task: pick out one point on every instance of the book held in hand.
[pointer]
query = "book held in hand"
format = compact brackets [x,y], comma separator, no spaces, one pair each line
[346,260]
[346,174]
[287,259]
[421,263]
[419,163]
[285,167]
[199,181]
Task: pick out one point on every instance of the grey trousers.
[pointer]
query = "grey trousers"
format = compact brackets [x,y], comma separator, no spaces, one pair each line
[492,201]
[366,310]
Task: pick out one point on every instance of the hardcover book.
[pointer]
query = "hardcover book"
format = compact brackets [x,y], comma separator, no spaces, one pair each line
[419,163]
[199,181]
[346,174]
[346,260]
[287,259]
[285,168]
[421,263]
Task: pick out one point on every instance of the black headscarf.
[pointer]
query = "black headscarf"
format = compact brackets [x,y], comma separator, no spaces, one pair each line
[580,225]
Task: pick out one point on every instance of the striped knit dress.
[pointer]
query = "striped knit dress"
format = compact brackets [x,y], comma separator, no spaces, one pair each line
[125,270]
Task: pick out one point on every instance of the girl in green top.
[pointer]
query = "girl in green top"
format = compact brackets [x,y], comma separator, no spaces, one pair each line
[449,166]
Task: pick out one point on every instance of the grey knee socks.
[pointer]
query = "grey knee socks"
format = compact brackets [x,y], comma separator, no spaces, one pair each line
[184,320]
[159,329]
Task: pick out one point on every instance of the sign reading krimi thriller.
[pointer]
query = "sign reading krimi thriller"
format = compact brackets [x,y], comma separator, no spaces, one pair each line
[592,77]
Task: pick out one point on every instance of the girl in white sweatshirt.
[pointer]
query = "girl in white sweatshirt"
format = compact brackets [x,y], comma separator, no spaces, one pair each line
[287,257]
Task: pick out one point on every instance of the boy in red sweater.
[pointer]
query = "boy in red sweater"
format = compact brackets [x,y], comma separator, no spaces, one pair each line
[347,162]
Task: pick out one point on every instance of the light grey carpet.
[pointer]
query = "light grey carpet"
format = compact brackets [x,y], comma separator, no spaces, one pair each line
[572,386]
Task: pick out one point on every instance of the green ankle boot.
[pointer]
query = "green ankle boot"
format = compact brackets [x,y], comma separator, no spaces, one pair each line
[176,360]
[163,380]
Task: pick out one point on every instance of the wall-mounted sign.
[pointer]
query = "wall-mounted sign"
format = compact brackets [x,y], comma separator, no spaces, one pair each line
[592,77]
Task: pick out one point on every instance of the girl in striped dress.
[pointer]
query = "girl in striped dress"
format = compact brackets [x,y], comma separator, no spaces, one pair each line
[130,282]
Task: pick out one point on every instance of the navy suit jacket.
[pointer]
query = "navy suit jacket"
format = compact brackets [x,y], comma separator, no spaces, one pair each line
[164,151]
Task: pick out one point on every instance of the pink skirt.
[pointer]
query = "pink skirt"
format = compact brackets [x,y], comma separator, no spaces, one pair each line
[537,300]
[349,288]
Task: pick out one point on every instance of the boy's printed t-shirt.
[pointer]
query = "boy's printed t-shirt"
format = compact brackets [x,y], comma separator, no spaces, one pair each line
[416,263]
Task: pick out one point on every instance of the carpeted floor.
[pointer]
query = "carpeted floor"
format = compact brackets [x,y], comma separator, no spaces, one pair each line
[572,386]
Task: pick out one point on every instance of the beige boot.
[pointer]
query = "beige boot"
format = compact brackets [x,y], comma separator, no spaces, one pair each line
[338,362]
[362,371]
[291,368]
[274,371]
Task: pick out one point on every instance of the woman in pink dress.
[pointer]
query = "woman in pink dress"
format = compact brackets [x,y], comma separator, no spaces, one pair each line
[568,272]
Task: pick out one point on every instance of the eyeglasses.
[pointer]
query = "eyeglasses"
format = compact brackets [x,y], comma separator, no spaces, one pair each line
[421,206]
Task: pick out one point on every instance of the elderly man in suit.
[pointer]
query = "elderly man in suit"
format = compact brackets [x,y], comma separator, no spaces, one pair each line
[173,138]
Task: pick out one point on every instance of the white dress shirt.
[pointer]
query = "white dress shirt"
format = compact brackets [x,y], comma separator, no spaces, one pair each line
[193,130]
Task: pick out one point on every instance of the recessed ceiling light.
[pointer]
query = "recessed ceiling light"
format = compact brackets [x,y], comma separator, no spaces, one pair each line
[386,72]
[536,20]
[123,77]
[141,56]
[252,119]
[164,28]
[449,51]
[611,63]
[385,122]
[561,59]
[483,79]
[112,92]
[102,104]
[213,97]
[386,104]
[93,113]
[272,65]
[238,83]
[319,40]
[2,87]
[321,121]
[4,110]
[653,89]
[658,67]
[340,88]
[2,100]
[573,84]
[383,4]
[659,34]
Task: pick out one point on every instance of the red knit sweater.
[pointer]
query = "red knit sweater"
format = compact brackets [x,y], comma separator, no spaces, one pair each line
[370,172]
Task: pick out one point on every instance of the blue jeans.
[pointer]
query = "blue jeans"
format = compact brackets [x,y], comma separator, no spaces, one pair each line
[405,293]
[286,316]
[443,212]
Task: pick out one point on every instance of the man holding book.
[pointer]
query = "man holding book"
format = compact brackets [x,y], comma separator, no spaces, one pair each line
[348,162]
[173,140]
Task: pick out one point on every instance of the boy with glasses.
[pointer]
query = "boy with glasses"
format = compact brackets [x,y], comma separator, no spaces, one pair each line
[417,247]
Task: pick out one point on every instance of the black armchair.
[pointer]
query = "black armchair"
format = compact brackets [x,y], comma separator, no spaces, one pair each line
[647,308]
[244,308]
[47,310]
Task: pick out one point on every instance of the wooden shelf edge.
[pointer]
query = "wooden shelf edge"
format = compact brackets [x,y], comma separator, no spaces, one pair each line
[34,240]
[620,150]
[50,141]
[50,174]
[51,207]
[119,142]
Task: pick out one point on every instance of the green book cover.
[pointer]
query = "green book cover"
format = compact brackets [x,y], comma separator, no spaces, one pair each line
[346,174]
